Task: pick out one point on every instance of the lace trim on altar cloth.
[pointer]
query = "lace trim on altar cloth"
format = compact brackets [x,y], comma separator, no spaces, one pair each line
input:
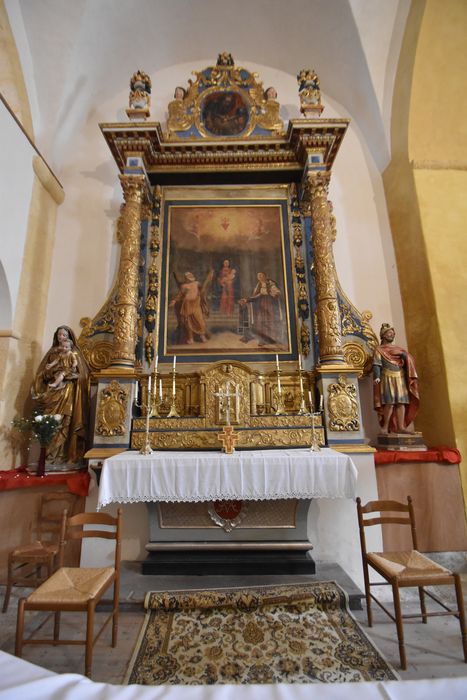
[208,498]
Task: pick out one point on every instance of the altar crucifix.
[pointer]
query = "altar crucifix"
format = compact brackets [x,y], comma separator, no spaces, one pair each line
[227,437]
[224,397]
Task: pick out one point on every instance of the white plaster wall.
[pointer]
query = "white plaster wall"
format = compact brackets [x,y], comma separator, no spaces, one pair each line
[16,180]
[333,524]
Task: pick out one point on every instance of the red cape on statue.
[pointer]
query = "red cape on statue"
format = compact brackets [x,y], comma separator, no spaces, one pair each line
[400,357]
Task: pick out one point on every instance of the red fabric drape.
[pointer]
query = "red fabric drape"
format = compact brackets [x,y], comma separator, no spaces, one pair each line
[433,454]
[77,482]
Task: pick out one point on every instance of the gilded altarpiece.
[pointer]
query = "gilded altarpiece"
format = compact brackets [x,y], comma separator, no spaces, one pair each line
[227,284]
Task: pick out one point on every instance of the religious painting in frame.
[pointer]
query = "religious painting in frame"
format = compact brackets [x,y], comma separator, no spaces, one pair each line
[226,277]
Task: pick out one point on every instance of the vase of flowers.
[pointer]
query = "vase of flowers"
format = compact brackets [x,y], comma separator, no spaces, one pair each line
[41,428]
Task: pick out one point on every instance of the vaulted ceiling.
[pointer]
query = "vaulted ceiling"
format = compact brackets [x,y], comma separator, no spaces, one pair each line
[77,53]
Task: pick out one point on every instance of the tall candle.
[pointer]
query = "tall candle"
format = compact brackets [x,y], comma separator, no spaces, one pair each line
[156,362]
[173,384]
[160,389]
[300,362]
[310,401]
[149,387]
[175,362]
[321,402]
[277,362]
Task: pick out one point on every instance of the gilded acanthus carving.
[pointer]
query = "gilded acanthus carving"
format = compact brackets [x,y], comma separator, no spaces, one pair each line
[126,302]
[343,406]
[329,324]
[111,409]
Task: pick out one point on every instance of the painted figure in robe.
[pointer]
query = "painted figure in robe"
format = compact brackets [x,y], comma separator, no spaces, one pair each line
[265,311]
[191,308]
[226,281]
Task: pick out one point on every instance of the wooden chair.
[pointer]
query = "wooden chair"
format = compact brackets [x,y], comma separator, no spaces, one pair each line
[31,564]
[77,588]
[405,569]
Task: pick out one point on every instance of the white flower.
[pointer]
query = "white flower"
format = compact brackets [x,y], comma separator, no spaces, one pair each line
[38,419]
[58,417]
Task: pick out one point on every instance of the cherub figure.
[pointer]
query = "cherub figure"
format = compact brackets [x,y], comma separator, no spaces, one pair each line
[65,366]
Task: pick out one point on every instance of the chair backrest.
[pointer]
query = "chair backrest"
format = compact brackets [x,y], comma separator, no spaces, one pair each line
[387,515]
[85,525]
[50,515]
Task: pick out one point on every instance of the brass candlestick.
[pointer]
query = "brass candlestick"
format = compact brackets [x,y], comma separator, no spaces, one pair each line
[314,447]
[146,407]
[173,413]
[280,408]
[154,412]
[302,411]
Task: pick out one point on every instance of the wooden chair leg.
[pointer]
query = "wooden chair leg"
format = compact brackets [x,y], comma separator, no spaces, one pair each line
[89,640]
[366,579]
[460,607]
[8,586]
[57,625]
[399,626]
[115,614]
[20,628]
[421,593]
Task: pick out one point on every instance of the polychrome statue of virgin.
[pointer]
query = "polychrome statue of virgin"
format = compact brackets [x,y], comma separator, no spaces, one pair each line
[68,397]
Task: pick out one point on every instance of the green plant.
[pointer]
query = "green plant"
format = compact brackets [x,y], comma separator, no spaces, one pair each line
[39,427]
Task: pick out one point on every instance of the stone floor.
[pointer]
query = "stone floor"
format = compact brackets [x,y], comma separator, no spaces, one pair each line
[433,650]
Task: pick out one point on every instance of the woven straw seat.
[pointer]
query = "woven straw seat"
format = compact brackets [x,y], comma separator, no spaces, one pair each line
[31,564]
[35,549]
[75,588]
[405,569]
[407,566]
[73,585]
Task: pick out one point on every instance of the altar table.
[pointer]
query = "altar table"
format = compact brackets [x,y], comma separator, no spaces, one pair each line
[253,475]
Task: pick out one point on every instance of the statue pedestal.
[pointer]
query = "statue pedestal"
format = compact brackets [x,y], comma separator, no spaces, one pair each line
[404,442]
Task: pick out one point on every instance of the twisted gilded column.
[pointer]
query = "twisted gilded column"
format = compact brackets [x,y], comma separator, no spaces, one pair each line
[323,234]
[126,307]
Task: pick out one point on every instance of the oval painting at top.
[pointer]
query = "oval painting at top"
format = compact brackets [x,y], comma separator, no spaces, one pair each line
[225,113]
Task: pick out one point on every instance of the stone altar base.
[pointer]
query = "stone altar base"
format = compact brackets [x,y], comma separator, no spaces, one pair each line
[189,562]
[402,442]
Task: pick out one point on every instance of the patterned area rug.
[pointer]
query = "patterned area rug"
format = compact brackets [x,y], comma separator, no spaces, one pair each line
[299,633]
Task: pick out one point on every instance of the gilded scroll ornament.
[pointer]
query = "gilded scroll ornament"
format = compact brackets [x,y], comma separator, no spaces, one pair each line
[111,410]
[98,355]
[343,406]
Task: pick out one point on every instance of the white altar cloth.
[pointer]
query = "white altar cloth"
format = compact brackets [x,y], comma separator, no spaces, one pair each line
[21,679]
[254,475]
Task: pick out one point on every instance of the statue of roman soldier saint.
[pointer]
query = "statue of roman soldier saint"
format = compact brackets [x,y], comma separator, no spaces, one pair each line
[395,382]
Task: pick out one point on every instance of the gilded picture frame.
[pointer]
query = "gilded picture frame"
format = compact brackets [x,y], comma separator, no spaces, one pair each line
[227,282]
